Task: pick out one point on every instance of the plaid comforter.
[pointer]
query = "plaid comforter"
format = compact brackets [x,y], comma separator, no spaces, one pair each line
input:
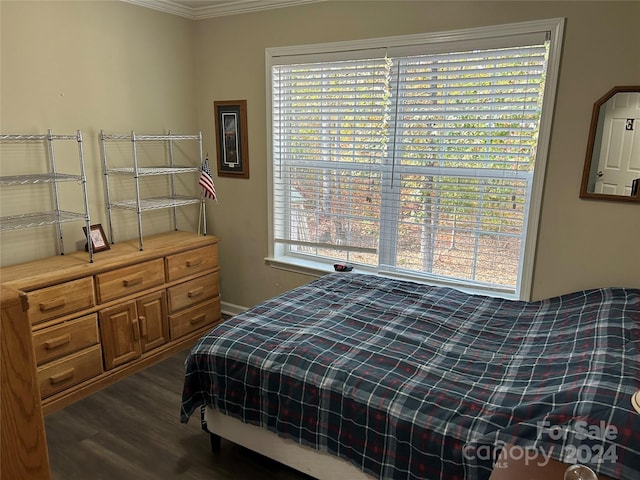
[411,381]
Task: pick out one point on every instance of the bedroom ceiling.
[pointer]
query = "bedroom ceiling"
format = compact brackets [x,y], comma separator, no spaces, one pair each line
[199,9]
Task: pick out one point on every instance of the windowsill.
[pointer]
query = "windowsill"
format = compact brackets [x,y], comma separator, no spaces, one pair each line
[318,269]
[302,266]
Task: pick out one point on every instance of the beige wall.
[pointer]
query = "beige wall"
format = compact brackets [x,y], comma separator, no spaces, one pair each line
[136,69]
[90,66]
[581,244]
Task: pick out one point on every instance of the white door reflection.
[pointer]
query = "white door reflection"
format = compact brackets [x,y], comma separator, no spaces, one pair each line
[618,142]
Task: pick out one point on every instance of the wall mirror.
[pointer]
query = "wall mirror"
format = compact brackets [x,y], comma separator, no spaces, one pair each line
[612,166]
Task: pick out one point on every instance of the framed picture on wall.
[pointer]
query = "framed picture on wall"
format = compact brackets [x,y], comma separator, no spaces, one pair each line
[231,138]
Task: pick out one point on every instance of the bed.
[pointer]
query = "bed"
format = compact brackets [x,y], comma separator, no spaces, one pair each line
[398,380]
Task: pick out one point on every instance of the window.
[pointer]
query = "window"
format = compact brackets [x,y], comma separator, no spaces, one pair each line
[419,157]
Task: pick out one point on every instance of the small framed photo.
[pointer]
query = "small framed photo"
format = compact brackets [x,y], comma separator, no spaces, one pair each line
[231,138]
[98,238]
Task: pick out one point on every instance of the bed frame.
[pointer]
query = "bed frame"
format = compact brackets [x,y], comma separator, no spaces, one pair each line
[324,466]
[317,464]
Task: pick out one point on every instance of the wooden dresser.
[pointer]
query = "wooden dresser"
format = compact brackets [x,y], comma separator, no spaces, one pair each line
[23,445]
[95,323]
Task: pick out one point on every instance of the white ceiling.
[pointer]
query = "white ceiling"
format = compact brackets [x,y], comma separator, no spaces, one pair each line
[199,9]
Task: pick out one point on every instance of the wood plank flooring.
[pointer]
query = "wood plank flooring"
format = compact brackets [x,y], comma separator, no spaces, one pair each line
[132,431]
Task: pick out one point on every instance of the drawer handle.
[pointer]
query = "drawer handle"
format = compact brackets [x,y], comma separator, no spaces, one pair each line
[136,329]
[194,263]
[62,376]
[195,292]
[57,303]
[197,319]
[132,282]
[57,342]
[143,326]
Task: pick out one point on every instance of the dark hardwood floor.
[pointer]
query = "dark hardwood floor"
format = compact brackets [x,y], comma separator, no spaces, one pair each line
[132,431]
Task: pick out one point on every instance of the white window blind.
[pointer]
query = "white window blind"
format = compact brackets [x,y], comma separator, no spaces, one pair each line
[329,141]
[416,165]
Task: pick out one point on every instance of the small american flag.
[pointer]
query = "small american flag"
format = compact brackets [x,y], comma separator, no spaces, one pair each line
[206,182]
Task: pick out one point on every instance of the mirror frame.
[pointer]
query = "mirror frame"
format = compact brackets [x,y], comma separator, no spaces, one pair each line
[590,146]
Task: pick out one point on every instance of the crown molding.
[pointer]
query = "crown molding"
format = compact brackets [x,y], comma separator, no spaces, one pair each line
[218,8]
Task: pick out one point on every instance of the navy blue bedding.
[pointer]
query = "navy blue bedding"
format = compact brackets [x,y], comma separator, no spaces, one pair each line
[410,381]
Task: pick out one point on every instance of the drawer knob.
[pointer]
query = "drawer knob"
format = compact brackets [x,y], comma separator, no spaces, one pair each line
[194,263]
[57,303]
[197,319]
[62,376]
[57,342]
[133,281]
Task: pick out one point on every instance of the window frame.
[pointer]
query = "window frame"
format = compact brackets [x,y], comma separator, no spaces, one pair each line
[552,28]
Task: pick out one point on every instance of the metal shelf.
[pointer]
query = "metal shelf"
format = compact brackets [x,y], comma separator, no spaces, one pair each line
[148,171]
[51,177]
[156,203]
[38,138]
[38,219]
[38,178]
[135,170]
[146,138]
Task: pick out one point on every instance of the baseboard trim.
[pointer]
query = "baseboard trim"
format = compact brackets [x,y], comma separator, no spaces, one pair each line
[232,309]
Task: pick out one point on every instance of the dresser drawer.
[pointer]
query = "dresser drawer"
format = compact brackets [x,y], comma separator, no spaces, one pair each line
[125,281]
[68,371]
[194,318]
[59,300]
[192,292]
[55,342]
[184,264]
